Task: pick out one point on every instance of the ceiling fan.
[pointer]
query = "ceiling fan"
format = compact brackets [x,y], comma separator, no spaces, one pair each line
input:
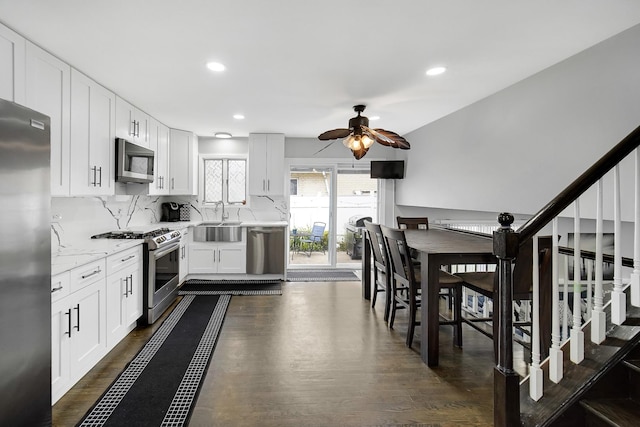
[359,136]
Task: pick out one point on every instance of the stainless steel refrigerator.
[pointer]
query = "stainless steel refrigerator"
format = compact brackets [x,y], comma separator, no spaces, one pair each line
[25,267]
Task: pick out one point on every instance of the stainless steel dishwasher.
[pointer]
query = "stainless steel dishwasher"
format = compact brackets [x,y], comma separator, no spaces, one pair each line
[265,250]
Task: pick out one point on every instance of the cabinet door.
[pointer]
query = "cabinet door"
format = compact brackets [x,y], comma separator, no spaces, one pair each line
[275,164]
[88,328]
[266,159]
[117,285]
[133,300]
[159,143]
[125,120]
[12,66]
[143,127]
[232,259]
[92,137]
[60,345]
[257,164]
[203,259]
[184,257]
[49,91]
[180,162]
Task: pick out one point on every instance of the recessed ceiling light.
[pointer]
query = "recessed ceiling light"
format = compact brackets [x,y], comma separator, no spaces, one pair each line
[238,116]
[215,66]
[436,71]
[374,118]
[222,135]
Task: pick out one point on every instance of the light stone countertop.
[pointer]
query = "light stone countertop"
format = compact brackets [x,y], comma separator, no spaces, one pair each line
[83,252]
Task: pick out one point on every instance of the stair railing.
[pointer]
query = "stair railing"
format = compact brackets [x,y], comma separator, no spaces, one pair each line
[506,245]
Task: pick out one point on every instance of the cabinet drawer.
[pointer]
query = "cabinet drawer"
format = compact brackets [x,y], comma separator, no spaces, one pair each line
[124,259]
[87,274]
[60,286]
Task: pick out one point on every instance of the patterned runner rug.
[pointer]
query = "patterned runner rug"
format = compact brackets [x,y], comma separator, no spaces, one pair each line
[322,275]
[231,287]
[160,385]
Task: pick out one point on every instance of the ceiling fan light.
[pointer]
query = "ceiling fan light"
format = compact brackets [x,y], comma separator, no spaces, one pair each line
[367,141]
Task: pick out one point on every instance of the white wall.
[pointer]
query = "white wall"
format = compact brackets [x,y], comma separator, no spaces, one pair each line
[517,149]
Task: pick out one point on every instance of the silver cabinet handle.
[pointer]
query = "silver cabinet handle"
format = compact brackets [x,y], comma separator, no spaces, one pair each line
[68,313]
[268,184]
[94,170]
[59,288]
[77,307]
[127,258]
[100,171]
[131,284]
[126,287]
[91,274]
[132,128]
[173,186]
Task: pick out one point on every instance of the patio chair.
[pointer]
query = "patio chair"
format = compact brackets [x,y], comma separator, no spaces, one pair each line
[314,240]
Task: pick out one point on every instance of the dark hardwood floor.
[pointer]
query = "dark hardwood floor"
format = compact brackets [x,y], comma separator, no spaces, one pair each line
[319,356]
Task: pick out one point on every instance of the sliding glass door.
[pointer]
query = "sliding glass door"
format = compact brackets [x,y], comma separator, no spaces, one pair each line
[327,204]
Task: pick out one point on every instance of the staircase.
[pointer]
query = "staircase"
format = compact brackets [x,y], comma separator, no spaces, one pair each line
[585,363]
[606,382]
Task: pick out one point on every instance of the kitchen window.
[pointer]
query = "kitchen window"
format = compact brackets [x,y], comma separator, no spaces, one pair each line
[224,180]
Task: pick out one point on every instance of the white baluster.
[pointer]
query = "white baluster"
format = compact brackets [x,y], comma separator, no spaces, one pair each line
[598,317]
[618,298]
[536,381]
[589,288]
[577,336]
[555,353]
[635,276]
[565,301]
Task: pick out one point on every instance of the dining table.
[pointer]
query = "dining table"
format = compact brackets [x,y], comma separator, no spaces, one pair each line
[437,247]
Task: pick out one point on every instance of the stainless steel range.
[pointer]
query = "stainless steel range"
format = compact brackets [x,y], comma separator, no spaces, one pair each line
[161,268]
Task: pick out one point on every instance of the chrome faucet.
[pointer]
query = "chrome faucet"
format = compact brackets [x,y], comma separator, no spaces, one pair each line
[225,216]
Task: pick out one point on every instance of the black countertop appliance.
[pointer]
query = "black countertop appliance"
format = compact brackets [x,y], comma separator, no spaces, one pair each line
[170,212]
[354,233]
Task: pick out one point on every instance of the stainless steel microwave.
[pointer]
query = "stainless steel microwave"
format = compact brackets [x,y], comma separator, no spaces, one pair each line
[133,162]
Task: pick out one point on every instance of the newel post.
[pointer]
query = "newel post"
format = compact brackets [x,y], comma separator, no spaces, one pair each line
[506,387]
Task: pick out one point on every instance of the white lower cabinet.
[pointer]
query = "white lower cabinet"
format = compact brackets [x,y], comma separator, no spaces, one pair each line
[211,258]
[184,256]
[78,327]
[124,294]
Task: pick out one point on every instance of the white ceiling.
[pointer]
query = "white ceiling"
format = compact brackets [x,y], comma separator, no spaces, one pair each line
[298,67]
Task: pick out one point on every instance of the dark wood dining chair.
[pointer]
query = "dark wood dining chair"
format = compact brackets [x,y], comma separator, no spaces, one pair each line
[413,223]
[406,286]
[421,223]
[381,269]
[486,283]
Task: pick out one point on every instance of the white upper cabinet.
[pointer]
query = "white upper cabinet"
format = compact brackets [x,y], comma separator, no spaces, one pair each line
[266,161]
[48,90]
[159,143]
[183,154]
[92,137]
[12,66]
[131,123]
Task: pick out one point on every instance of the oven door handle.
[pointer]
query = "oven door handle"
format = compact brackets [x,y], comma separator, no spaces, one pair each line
[158,253]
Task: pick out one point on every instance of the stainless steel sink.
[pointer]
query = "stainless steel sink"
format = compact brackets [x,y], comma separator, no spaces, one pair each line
[228,231]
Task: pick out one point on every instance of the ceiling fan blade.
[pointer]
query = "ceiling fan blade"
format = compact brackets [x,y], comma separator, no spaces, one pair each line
[334,134]
[380,138]
[396,140]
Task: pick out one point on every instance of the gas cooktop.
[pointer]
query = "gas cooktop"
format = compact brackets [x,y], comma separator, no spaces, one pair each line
[154,238]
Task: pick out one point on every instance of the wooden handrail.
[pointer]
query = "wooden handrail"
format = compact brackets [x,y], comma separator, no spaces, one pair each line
[607,258]
[579,186]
